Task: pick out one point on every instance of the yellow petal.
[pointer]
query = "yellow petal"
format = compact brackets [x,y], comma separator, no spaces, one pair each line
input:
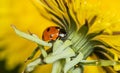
[26,17]
[93,69]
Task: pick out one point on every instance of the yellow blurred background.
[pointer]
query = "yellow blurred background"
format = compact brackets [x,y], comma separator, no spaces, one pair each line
[24,15]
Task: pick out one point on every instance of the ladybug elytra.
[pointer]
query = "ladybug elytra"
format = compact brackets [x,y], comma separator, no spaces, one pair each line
[52,33]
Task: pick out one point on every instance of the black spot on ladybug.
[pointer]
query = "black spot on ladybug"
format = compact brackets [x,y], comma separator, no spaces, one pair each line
[48,29]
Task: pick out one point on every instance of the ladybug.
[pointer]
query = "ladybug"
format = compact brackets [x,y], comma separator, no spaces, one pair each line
[52,33]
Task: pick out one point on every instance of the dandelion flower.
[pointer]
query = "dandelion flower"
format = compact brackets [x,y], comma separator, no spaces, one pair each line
[91,38]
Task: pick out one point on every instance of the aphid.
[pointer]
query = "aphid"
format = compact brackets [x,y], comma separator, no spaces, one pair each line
[52,33]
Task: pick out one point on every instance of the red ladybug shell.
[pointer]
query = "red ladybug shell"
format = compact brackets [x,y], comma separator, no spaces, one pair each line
[51,33]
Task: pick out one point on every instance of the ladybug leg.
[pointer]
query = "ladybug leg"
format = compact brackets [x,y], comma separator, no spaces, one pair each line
[32,55]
